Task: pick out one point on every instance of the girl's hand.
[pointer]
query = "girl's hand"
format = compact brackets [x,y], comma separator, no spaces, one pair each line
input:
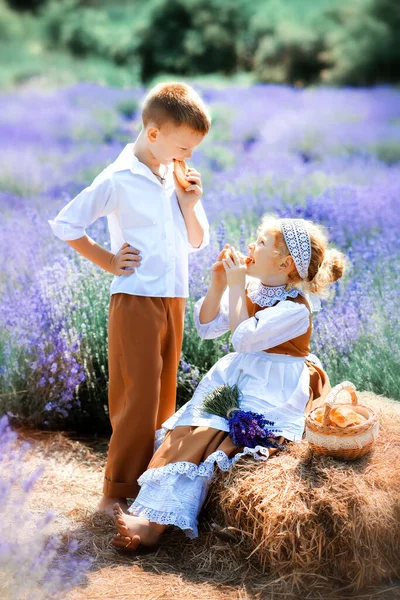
[235,269]
[125,261]
[218,275]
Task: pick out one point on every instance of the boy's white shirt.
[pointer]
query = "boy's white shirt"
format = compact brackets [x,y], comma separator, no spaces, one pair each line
[143,213]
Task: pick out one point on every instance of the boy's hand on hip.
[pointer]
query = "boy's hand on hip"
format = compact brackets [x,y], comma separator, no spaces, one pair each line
[125,261]
[189,197]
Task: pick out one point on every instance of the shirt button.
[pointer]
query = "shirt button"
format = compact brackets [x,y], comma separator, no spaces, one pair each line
[154,222]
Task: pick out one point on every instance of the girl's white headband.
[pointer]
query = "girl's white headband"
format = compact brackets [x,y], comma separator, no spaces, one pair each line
[298,243]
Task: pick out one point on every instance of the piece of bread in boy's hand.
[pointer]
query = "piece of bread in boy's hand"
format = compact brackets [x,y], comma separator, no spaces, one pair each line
[345,416]
[181,170]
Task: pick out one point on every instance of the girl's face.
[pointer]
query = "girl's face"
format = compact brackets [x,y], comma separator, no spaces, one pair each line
[267,265]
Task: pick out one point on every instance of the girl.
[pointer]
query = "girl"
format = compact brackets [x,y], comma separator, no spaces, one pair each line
[265,301]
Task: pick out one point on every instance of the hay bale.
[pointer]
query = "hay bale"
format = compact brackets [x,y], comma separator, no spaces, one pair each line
[305,518]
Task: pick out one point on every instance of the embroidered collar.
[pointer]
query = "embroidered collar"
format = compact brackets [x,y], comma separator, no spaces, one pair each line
[265,295]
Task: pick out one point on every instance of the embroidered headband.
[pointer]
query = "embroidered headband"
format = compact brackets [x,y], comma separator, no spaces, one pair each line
[298,243]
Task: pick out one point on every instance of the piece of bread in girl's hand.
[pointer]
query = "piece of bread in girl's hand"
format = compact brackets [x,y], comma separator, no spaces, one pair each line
[181,170]
[228,252]
[345,416]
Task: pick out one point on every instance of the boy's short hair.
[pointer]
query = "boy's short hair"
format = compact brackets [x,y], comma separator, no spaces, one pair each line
[178,103]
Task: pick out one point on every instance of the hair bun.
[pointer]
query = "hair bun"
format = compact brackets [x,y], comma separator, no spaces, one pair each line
[331,269]
[334,262]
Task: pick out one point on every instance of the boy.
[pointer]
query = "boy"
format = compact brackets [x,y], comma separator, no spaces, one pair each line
[154,223]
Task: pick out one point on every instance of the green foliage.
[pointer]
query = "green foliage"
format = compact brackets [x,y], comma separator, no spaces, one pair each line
[22,62]
[191,37]
[287,39]
[89,31]
[370,366]
[128,107]
[201,352]
[222,400]
[373,362]
[295,41]
[10,24]
[25,5]
[387,151]
[365,47]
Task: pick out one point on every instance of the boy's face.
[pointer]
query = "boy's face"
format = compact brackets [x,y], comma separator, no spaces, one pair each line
[169,142]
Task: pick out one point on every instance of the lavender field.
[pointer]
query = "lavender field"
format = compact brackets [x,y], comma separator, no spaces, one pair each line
[325,154]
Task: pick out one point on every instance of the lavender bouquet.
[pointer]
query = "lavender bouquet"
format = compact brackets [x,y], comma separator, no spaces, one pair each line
[246,428]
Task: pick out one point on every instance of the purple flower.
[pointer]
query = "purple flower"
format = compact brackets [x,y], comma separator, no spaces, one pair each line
[46,568]
[185,366]
[251,429]
[325,154]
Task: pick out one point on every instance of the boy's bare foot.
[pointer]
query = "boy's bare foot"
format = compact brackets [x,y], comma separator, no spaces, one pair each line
[133,531]
[106,505]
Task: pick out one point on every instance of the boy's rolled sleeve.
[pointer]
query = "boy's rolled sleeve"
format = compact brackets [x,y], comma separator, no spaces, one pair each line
[97,200]
[201,215]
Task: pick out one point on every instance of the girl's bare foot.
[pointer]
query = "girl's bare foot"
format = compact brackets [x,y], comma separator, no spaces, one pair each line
[133,531]
[106,505]
[126,543]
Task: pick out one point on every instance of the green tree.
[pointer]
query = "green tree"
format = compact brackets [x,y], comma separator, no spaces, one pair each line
[287,38]
[365,47]
[192,37]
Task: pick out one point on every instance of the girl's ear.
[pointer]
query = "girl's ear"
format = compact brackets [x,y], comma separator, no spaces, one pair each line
[287,263]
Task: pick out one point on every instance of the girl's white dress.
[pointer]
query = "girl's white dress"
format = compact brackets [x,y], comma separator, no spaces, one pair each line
[276,385]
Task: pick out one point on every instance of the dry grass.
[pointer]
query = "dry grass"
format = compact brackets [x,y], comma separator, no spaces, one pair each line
[318,522]
[295,527]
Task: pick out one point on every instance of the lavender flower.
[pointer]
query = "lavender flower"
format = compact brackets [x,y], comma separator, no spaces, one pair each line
[331,155]
[32,562]
[251,429]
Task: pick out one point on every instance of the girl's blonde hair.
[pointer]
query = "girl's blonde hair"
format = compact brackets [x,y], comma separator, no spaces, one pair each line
[326,265]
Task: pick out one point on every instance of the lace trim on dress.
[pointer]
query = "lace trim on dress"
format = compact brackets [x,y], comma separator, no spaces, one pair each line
[162,475]
[167,518]
[265,295]
[204,469]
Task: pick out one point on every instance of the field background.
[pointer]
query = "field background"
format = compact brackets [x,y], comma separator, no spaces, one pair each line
[305,106]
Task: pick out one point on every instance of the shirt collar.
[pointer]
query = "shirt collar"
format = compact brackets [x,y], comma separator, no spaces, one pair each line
[127,161]
[265,295]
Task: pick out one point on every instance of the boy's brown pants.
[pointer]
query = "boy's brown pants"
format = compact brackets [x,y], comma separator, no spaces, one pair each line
[144,346]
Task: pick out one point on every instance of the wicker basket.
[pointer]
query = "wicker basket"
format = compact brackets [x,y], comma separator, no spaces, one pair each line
[347,443]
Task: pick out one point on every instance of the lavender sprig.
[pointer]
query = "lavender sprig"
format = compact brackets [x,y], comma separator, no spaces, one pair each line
[221,400]
[250,429]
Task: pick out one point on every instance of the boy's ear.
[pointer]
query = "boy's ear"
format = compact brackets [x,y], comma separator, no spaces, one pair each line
[152,133]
